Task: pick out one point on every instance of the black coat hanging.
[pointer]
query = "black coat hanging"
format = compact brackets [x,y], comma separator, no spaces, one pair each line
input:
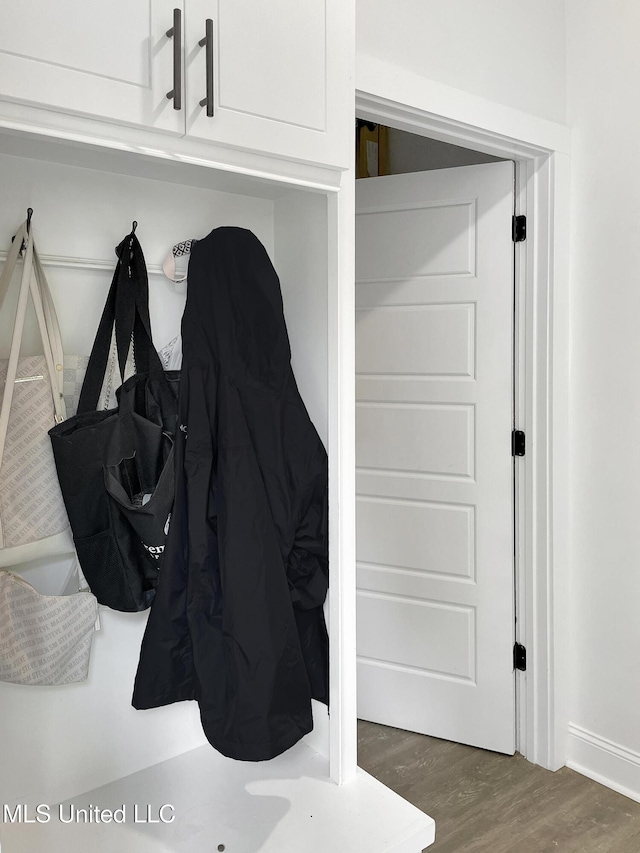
[237,622]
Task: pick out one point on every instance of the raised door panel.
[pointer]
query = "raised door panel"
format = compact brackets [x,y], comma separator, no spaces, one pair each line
[416,439]
[111,61]
[421,536]
[278,77]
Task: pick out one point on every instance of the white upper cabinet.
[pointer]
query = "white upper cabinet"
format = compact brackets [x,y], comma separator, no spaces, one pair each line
[110,60]
[275,74]
[272,79]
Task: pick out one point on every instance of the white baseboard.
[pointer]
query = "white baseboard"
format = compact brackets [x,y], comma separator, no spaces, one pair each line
[604,761]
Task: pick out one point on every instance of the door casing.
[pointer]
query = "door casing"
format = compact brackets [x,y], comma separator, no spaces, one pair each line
[540,405]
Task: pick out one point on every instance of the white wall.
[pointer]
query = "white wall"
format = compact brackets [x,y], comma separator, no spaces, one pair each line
[301,263]
[603,84]
[509,52]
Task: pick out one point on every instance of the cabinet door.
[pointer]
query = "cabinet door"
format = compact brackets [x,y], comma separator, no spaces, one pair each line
[278,76]
[109,60]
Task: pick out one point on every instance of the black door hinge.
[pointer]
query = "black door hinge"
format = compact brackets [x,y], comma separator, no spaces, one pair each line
[517,443]
[519,657]
[519,229]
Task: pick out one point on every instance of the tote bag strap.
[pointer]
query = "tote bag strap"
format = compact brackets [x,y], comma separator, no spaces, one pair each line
[97,366]
[54,337]
[10,265]
[126,309]
[134,271]
[21,310]
[47,317]
[49,333]
[28,284]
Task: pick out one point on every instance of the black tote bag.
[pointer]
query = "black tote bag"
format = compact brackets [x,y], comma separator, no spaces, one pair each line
[115,467]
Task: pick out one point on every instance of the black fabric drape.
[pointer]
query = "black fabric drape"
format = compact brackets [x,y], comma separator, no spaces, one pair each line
[237,622]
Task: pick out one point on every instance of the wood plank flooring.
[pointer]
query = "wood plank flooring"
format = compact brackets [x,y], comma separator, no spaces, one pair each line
[489,803]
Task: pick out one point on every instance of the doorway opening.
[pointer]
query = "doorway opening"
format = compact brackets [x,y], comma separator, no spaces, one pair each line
[434,402]
[540,151]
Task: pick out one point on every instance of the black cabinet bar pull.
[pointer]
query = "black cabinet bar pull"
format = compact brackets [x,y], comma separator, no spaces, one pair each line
[176,34]
[208,41]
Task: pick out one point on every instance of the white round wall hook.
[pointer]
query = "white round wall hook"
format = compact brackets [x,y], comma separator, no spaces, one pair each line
[176,263]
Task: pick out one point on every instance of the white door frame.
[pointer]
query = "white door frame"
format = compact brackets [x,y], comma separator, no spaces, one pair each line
[541,152]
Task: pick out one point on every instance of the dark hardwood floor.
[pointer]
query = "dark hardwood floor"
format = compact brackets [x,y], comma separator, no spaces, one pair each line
[490,803]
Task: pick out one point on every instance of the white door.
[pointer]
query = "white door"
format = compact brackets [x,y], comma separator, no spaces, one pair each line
[434,362]
[112,60]
[277,72]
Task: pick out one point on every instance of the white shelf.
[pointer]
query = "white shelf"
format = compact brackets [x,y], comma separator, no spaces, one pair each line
[72,140]
[247,807]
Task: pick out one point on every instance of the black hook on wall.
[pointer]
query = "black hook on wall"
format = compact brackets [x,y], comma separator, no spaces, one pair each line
[134,225]
[29,215]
